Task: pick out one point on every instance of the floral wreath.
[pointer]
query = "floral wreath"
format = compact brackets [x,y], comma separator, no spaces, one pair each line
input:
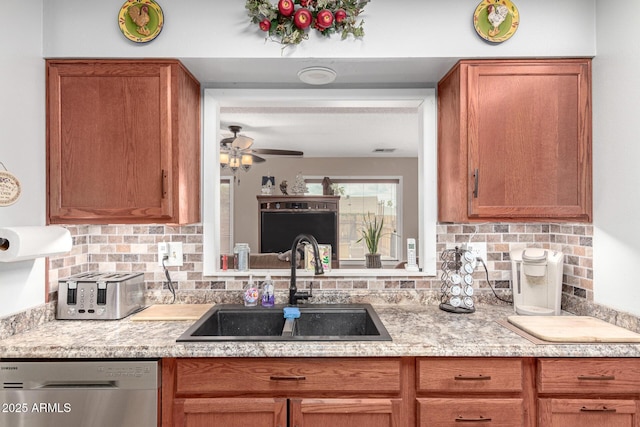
[289,21]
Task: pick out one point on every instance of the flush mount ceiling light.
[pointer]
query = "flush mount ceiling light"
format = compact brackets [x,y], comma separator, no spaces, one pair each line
[317,75]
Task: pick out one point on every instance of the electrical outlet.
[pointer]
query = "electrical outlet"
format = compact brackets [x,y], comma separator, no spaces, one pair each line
[173,251]
[478,249]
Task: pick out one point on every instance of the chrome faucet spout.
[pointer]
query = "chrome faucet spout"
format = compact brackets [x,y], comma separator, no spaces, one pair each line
[294,295]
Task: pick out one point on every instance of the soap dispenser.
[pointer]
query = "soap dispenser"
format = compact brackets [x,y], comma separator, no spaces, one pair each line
[251,293]
[268,297]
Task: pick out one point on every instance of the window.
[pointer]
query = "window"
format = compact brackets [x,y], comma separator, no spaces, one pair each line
[424,204]
[360,197]
[226,215]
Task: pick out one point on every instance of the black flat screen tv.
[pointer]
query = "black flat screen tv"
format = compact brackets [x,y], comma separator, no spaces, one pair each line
[279,229]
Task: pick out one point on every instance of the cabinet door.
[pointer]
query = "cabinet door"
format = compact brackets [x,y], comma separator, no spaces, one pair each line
[346,412]
[109,142]
[241,412]
[454,412]
[584,412]
[529,130]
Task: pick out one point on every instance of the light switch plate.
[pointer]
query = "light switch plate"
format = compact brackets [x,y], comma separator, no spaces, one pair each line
[174,252]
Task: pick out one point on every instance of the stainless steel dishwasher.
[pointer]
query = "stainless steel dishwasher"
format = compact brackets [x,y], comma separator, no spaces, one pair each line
[79,393]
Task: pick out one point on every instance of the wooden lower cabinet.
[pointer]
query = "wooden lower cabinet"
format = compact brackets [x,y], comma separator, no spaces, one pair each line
[475,391]
[231,412]
[346,412]
[602,392]
[287,392]
[588,412]
[266,412]
[450,412]
[401,392]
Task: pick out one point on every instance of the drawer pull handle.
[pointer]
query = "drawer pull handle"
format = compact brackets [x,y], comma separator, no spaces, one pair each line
[480,419]
[603,409]
[287,378]
[596,377]
[475,183]
[163,186]
[472,378]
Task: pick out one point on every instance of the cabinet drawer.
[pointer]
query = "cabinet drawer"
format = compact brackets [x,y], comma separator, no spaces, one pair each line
[588,376]
[457,412]
[287,375]
[587,412]
[469,375]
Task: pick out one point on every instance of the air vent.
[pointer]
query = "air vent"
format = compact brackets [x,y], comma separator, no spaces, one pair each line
[12,385]
[384,150]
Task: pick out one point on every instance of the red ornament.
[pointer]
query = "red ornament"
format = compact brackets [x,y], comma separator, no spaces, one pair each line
[285,7]
[304,3]
[302,18]
[341,15]
[324,19]
[265,25]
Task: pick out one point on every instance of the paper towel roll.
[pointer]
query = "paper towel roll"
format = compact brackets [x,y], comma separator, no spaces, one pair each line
[22,243]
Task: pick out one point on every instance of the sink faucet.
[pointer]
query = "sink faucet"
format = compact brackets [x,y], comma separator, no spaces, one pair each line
[294,295]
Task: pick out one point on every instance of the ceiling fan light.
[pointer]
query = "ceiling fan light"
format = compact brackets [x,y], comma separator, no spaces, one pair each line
[234,163]
[317,75]
[247,159]
[224,159]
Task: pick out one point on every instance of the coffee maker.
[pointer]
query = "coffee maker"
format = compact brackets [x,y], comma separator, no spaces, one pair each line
[537,281]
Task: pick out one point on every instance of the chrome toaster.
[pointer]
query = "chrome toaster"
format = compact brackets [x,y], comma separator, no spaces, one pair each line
[95,296]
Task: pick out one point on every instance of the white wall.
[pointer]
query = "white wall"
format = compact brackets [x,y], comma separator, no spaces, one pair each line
[616,153]
[22,143]
[220,29]
[399,28]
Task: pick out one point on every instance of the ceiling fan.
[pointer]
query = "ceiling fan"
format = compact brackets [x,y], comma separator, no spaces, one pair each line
[236,151]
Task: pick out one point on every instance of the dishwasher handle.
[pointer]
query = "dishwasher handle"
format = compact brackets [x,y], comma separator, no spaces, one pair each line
[79,384]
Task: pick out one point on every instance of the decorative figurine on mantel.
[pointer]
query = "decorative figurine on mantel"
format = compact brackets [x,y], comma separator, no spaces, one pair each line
[299,187]
[268,182]
[283,187]
[327,189]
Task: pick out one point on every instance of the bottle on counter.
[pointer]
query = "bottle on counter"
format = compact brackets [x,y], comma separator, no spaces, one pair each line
[268,296]
[241,253]
[251,293]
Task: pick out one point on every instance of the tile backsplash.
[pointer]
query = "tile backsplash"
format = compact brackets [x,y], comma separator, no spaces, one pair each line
[133,248]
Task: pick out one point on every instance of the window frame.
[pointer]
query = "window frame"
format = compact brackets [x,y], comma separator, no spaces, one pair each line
[427,166]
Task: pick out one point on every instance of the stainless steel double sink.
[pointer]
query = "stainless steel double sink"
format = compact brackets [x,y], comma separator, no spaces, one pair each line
[317,322]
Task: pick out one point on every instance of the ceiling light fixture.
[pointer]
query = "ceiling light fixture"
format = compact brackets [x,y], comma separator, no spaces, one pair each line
[317,75]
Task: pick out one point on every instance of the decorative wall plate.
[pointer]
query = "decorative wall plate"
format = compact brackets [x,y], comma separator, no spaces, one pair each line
[9,188]
[496,20]
[140,20]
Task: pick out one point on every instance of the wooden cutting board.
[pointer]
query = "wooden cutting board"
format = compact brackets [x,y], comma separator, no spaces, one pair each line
[572,329]
[172,312]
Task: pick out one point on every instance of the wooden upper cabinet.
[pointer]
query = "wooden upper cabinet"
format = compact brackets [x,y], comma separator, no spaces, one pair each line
[123,142]
[514,141]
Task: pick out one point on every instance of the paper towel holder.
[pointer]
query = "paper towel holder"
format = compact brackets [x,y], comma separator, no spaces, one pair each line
[30,242]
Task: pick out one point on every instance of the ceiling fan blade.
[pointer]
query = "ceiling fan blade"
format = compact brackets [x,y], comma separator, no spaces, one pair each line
[275,152]
[241,142]
[257,159]
[227,141]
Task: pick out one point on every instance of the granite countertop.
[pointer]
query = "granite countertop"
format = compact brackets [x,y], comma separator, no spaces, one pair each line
[416,330]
